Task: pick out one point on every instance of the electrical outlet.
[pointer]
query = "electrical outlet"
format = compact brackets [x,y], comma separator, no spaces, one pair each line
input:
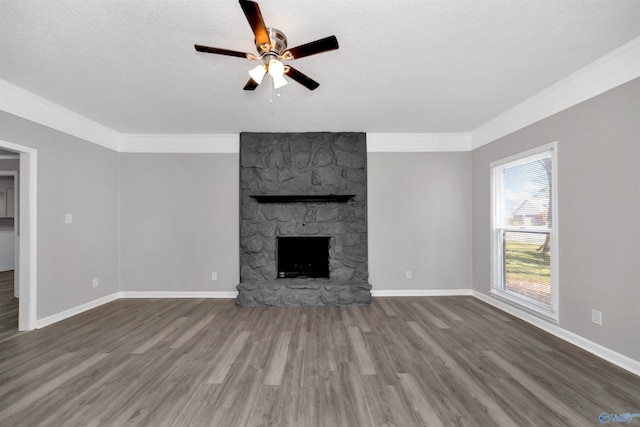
[96,283]
[596,317]
[408,274]
[214,276]
[68,218]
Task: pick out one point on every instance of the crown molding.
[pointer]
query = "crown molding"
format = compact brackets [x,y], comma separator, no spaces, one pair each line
[230,143]
[614,69]
[180,143]
[417,142]
[28,105]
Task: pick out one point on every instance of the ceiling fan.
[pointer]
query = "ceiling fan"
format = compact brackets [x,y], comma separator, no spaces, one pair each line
[271,45]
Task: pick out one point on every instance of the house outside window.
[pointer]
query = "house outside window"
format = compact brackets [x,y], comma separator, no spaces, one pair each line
[524,242]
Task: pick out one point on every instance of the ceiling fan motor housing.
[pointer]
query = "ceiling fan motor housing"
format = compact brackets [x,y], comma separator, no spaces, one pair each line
[278,42]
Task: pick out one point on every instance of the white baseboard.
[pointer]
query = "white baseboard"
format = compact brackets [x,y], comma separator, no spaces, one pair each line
[419,292]
[54,318]
[49,320]
[179,294]
[601,351]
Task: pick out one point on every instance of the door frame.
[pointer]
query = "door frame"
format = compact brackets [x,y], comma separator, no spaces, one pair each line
[28,223]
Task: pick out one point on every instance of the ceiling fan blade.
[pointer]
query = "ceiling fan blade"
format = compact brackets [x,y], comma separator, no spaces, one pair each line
[227,52]
[254,16]
[318,46]
[251,85]
[305,81]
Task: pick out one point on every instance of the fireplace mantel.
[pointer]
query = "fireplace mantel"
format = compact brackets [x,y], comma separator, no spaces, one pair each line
[328,198]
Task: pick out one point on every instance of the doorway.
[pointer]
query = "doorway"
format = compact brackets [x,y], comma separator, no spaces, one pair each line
[25,268]
[9,242]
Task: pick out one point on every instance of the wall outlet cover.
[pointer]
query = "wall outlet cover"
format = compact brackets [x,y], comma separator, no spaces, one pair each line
[596,317]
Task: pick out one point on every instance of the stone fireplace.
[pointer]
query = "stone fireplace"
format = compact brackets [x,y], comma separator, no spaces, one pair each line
[303,225]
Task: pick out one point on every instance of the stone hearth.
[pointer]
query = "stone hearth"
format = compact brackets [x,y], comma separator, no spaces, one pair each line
[310,184]
[304,292]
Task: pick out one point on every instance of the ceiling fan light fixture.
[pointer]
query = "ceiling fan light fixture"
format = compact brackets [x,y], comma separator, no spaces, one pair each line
[276,68]
[276,71]
[278,82]
[257,73]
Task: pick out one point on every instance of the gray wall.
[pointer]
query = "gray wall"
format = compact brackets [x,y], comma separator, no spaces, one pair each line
[598,208]
[419,220]
[179,222]
[82,179]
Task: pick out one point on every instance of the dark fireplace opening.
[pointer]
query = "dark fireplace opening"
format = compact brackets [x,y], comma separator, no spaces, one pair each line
[303,257]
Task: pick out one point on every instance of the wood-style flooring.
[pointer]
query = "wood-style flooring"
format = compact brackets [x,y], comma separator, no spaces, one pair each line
[8,306]
[438,361]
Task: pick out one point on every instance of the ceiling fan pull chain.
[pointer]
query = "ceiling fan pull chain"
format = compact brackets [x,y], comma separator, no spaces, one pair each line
[271,91]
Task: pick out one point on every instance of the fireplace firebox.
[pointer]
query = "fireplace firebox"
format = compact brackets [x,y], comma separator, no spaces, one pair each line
[303,257]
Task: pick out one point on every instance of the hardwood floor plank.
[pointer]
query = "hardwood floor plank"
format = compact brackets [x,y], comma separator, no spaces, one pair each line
[223,366]
[278,360]
[418,402]
[192,331]
[497,413]
[361,322]
[194,411]
[29,377]
[437,303]
[355,394]
[261,409]
[74,409]
[141,408]
[361,352]
[159,336]
[135,383]
[386,305]
[427,314]
[50,386]
[570,416]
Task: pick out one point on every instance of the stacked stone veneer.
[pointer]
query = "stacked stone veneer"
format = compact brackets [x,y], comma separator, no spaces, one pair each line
[303,164]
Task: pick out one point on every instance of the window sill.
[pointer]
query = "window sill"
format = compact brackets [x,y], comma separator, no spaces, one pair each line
[546,313]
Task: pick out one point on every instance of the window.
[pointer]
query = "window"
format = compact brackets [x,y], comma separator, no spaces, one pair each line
[524,222]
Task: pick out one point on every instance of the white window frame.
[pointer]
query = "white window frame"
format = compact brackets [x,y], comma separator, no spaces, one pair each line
[498,290]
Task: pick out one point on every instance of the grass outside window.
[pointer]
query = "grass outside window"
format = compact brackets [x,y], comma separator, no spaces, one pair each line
[527,266]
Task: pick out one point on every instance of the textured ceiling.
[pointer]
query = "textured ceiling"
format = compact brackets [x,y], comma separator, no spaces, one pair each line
[402,66]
